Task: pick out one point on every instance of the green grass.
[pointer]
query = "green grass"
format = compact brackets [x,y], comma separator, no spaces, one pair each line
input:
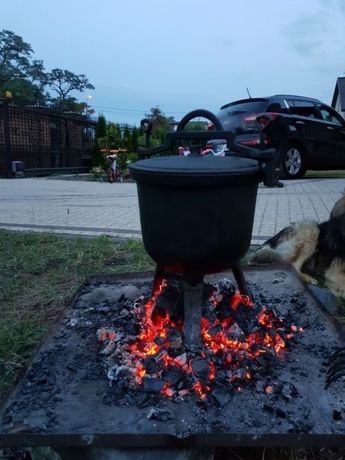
[39,274]
[325,174]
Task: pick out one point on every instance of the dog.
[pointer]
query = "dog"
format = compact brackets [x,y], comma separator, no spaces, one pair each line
[312,249]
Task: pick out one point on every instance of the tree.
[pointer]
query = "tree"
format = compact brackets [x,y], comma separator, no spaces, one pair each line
[126,138]
[21,75]
[101,141]
[114,135]
[160,123]
[97,157]
[101,127]
[63,82]
[28,81]
[156,116]
[14,56]
[135,139]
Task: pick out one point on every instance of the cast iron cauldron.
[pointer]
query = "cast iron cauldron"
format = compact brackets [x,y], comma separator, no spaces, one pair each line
[197,212]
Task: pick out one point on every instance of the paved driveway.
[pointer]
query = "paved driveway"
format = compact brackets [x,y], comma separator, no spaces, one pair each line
[93,208]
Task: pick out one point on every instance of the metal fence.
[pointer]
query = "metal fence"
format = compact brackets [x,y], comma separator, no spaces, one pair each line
[44,138]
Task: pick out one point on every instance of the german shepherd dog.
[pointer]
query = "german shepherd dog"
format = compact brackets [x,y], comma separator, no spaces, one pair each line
[313,248]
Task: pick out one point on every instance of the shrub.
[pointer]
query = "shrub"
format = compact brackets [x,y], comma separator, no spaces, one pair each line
[97,173]
[97,157]
[123,160]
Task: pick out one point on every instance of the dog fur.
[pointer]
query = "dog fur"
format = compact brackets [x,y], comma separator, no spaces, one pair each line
[313,248]
[335,277]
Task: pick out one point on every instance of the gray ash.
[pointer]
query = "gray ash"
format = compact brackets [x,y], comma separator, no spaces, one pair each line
[144,350]
[71,387]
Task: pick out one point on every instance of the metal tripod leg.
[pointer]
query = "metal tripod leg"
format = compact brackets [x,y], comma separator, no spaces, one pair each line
[241,281]
[158,276]
[192,313]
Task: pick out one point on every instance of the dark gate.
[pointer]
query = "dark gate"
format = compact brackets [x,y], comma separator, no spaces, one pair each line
[56,142]
[44,138]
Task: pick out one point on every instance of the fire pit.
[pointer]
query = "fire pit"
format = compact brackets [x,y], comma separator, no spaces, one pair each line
[188,356]
[75,392]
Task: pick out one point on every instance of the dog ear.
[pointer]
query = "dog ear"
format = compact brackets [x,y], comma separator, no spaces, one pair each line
[335,236]
[342,228]
[339,208]
[337,219]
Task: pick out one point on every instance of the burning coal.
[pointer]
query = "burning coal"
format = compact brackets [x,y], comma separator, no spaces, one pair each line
[240,341]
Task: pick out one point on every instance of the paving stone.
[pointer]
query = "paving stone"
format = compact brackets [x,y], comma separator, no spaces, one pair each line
[95,208]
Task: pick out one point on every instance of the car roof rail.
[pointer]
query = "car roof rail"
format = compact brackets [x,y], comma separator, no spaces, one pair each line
[296,97]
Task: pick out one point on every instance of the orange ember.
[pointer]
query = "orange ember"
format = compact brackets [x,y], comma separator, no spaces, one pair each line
[201,390]
[226,346]
[269,389]
[212,371]
[238,299]
[167,390]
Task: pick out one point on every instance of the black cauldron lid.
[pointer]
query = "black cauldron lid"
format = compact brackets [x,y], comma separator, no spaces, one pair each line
[196,171]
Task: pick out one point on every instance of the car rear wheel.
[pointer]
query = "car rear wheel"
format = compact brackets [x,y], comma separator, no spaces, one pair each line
[292,162]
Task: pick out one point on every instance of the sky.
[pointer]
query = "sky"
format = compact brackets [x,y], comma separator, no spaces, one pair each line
[182,55]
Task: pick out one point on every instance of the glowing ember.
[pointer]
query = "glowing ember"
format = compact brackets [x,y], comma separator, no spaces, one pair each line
[104,334]
[269,389]
[238,299]
[167,390]
[238,336]
[201,390]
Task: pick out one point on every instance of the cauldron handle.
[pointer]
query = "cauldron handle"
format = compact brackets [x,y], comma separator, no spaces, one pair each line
[179,134]
[200,113]
[267,158]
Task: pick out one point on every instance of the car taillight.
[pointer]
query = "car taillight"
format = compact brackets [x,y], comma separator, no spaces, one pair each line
[250,142]
[255,141]
[250,118]
[265,118]
[210,127]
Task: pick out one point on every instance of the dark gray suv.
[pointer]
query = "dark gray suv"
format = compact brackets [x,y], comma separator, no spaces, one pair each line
[307,133]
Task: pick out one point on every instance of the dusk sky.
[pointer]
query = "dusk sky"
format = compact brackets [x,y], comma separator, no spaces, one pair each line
[185,54]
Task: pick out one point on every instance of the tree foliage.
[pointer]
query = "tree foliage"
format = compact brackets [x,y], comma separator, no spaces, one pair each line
[19,73]
[113,136]
[101,127]
[30,83]
[14,56]
[63,82]
[160,122]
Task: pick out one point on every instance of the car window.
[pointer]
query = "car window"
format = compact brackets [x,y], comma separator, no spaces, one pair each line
[303,108]
[246,107]
[274,107]
[330,116]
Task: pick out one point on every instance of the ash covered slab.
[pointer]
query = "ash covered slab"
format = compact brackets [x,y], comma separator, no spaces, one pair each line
[66,391]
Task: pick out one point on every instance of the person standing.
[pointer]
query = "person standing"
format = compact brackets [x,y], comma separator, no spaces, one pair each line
[114,167]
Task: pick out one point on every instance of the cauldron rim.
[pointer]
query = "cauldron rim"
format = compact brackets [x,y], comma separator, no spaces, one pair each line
[196,171]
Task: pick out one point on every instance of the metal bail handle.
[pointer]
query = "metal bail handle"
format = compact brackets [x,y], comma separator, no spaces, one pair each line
[195,151]
[267,158]
[200,113]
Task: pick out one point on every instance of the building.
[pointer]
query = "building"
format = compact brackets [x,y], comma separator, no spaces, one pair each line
[338,100]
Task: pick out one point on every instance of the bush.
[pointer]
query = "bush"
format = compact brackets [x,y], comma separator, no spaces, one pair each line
[97,173]
[123,160]
[97,157]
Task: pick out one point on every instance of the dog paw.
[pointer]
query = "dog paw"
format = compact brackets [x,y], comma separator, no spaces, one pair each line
[309,279]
